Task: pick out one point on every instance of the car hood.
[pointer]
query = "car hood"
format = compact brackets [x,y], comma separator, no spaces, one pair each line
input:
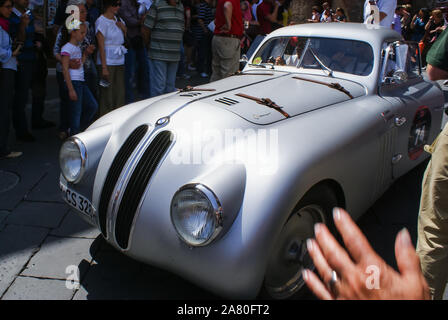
[294,96]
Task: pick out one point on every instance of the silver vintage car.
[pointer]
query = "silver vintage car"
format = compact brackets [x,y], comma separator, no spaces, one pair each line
[223,183]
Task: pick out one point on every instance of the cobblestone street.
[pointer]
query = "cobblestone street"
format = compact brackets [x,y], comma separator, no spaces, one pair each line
[40,236]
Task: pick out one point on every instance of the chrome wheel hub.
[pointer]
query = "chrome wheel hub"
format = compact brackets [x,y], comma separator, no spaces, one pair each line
[290,256]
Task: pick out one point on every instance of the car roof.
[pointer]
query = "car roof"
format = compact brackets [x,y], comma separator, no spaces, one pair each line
[375,35]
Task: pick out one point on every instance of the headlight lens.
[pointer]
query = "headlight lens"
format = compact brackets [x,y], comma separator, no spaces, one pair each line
[72,159]
[196,215]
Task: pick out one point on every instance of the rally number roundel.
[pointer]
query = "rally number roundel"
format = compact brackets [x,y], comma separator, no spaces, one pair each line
[419,134]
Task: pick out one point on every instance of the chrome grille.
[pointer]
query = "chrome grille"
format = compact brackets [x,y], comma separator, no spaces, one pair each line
[114,173]
[137,184]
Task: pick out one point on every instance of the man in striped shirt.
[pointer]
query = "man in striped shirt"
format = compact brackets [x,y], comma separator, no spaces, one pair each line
[165,25]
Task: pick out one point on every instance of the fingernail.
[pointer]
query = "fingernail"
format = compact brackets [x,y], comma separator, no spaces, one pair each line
[317,228]
[337,214]
[405,238]
[309,245]
[305,274]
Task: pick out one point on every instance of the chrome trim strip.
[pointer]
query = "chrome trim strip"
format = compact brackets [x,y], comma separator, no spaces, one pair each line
[120,184]
[142,200]
[123,180]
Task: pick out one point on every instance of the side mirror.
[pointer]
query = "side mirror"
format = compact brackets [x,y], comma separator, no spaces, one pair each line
[400,76]
[243,61]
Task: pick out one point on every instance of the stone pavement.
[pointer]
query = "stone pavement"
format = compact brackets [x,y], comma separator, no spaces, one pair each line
[41,239]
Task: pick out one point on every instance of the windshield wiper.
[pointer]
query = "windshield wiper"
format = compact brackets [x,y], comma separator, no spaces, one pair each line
[241,73]
[190,88]
[266,102]
[322,65]
[333,85]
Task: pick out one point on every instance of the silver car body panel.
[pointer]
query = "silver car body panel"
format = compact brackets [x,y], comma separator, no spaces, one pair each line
[348,143]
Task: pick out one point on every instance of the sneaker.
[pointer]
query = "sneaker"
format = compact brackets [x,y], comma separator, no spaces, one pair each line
[191,68]
[186,76]
[12,155]
[445,83]
[204,75]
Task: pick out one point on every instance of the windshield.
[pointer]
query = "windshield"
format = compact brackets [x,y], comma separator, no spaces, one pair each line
[349,56]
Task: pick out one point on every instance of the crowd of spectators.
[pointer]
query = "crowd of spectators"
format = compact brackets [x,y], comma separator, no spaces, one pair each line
[138,48]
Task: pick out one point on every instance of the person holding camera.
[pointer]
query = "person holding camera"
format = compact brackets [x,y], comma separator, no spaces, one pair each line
[8,70]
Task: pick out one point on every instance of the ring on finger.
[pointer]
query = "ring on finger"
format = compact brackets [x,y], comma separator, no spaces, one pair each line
[332,282]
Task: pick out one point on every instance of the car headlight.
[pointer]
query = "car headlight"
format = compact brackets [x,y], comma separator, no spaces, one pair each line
[196,214]
[72,159]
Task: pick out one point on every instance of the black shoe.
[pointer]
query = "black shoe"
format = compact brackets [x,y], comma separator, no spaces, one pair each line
[27,137]
[43,124]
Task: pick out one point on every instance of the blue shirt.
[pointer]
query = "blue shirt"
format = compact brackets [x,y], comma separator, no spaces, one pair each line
[28,52]
[6,58]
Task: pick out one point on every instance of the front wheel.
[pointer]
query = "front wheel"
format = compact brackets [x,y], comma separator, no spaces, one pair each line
[289,257]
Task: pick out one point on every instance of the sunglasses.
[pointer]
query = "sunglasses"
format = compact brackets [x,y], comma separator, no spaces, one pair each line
[118,4]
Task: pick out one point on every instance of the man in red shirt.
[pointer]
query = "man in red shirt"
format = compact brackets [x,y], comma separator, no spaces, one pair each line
[226,47]
[267,14]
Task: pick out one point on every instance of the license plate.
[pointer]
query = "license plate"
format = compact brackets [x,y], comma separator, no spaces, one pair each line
[77,201]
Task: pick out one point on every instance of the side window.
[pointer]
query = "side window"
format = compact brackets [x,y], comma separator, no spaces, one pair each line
[401,62]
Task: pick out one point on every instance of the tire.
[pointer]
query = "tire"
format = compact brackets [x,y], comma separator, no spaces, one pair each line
[283,277]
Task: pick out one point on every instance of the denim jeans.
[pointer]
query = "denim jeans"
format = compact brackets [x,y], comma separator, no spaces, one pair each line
[23,81]
[64,103]
[91,77]
[136,69]
[162,76]
[181,68]
[81,111]
[204,58]
[39,88]
[6,94]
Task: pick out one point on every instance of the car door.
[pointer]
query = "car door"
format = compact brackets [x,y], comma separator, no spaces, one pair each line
[414,109]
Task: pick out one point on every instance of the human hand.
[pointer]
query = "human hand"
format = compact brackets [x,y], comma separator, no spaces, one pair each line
[225,28]
[90,49]
[279,61]
[105,73]
[121,26]
[16,52]
[361,273]
[74,64]
[24,20]
[72,95]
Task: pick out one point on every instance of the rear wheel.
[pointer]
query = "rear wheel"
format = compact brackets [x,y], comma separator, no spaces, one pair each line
[283,278]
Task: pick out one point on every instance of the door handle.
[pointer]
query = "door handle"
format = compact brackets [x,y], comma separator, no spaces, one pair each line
[396,158]
[399,121]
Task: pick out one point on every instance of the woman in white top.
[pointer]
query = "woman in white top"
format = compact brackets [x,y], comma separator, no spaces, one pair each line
[110,34]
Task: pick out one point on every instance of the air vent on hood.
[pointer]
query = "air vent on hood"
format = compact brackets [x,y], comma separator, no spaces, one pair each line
[227,101]
[191,94]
